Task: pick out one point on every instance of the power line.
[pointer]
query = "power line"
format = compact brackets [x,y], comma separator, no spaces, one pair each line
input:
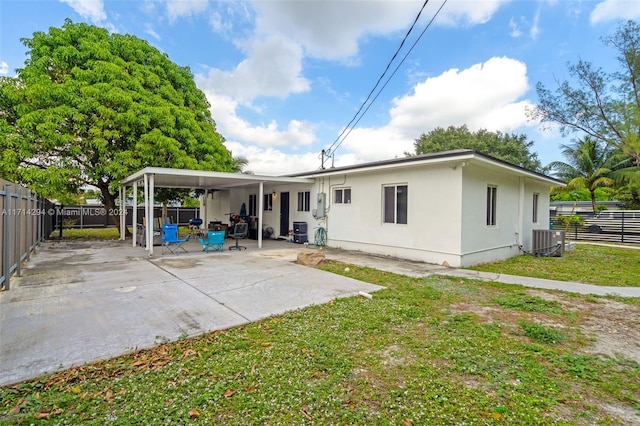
[389,79]
[357,117]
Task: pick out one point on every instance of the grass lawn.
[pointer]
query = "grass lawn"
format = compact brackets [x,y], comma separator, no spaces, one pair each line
[592,264]
[87,234]
[424,351]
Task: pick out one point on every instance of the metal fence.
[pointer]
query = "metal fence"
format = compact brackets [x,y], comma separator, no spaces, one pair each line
[25,221]
[83,216]
[619,228]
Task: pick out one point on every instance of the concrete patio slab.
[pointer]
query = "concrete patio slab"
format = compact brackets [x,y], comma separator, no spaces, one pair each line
[79,302]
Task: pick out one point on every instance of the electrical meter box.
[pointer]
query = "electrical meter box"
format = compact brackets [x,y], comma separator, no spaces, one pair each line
[321,205]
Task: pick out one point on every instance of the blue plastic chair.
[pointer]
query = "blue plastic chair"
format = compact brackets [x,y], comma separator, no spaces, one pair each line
[170,239]
[215,240]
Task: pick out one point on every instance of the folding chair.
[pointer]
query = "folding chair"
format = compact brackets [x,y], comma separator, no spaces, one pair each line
[170,239]
[240,231]
[215,240]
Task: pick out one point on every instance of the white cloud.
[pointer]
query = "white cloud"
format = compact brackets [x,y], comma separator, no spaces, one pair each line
[88,9]
[515,29]
[273,162]
[483,96]
[4,68]
[184,8]
[610,10]
[148,29]
[296,133]
[468,13]
[286,31]
[331,29]
[272,68]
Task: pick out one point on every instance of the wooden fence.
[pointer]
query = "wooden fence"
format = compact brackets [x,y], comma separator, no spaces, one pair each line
[25,220]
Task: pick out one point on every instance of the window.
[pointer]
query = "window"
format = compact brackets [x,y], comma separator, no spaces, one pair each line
[304,201]
[395,203]
[492,193]
[342,196]
[268,202]
[535,207]
[253,201]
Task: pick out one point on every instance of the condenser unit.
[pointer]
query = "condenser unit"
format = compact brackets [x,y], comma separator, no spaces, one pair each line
[548,242]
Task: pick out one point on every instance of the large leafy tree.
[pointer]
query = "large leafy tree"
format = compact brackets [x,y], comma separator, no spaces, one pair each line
[90,107]
[590,164]
[515,149]
[604,106]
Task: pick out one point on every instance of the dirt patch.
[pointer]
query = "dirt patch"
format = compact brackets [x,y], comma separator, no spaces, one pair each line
[183,263]
[612,328]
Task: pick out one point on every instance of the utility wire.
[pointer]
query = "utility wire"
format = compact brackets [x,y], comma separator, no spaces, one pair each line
[386,82]
[382,75]
[357,117]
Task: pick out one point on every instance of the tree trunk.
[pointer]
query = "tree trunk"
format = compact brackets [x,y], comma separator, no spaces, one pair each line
[593,200]
[110,205]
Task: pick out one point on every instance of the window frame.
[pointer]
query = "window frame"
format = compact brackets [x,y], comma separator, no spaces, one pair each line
[492,205]
[304,201]
[536,200]
[345,195]
[396,210]
[268,202]
[253,204]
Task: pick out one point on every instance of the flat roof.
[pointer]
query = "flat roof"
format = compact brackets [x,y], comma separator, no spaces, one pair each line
[187,179]
[453,156]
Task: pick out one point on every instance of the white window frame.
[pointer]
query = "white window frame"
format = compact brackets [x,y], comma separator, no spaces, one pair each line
[268,202]
[400,193]
[536,201]
[492,205]
[304,201]
[344,195]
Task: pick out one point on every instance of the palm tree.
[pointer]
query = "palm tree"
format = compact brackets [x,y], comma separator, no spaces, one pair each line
[589,165]
[239,163]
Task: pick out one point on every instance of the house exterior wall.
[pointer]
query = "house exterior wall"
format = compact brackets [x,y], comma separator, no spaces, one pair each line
[217,204]
[272,218]
[221,203]
[432,233]
[514,214]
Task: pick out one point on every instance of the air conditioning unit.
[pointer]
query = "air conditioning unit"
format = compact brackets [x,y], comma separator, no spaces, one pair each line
[548,242]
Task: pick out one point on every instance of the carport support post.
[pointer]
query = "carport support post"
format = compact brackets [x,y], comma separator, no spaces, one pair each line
[151,222]
[122,216]
[134,214]
[260,209]
[146,211]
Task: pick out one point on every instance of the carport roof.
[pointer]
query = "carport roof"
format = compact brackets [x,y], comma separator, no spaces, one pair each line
[188,179]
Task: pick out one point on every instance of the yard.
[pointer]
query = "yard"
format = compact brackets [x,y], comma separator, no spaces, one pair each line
[430,350]
[590,264]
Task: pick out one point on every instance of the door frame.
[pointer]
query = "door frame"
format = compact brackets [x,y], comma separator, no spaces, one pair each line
[284,213]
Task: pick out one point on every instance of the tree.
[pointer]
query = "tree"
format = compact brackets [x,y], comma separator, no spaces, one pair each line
[239,163]
[604,106]
[90,107]
[590,165]
[512,148]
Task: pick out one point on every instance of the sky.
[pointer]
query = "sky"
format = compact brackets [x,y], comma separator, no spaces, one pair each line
[285,78]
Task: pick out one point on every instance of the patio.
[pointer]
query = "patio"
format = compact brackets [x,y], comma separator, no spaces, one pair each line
[81,301]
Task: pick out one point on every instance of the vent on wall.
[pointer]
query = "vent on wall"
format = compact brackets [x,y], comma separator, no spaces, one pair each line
[548,242]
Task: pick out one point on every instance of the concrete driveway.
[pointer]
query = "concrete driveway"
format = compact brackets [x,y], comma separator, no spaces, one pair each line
[78,302]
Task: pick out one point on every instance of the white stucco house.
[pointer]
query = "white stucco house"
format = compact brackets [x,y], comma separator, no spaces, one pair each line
[460,207]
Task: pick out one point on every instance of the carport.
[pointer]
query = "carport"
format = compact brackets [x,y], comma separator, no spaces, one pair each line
[157,177]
